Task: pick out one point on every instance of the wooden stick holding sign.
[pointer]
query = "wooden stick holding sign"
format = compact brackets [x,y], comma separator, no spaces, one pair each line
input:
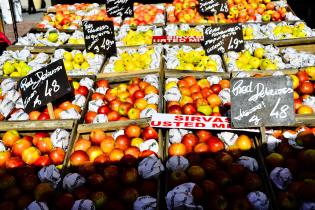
[51,111]
[43,86]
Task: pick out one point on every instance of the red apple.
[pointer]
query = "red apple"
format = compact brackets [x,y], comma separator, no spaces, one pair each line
[133,131]
[129,176]
[124,108]
[303,76]
[44,192]
[39,136]
[175,109]
[57,156]
[45,145]
[216,88]
[149,133]
[89,117]
[103,109]
[189,109]
[177,177]
[114,105]
[43,160]
[14,162]
[19,146]
[202,148]
[83,90]
[203,135]
[30,155]
[129,195]
[78,158]
[82,144]
[64,201]
[306,87]
[97,136]
[190,140]
[111,172]
[139,94]
[196,173]
[97,96]
[4,157]
[113,116]
[122,142]
[177,149]
[93,152]
[102,159]
[43,116]
[102,83]
[10,137]
[132,88]
[215,144]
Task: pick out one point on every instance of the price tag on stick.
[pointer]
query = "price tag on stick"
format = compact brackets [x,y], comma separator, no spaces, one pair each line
[99,37]
[44,86]
[222,38]
[119,8]
[262,102]
[210,7]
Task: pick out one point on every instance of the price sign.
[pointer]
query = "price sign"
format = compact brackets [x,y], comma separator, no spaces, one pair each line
[260,102]
[99,37]
[119,8]
[222,38]
[44,86]
[209,7]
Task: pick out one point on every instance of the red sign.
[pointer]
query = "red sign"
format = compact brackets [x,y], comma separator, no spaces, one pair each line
[177,39]
[193,122]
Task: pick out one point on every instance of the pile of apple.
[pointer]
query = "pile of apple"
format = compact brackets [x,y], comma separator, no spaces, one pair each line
[139,59]
[21,186]
[224,178]
[184,57]
[146,14]
[40,149]
[78,62]
[137,99]
[183,30]
[304,89]
[65,19]
[102,147]
[290,159]
[69,106]
[76,38]
[185,11]
[209,96]
[51,38]
[276,31]
[142,35]
[72,7]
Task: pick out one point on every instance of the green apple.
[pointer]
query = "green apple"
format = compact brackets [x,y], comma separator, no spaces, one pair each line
[67,56]
[78,58]
[266,17]
[53,37]
[8,68]
[264,64]
[68,65]
[259,52]
[254,62]
[205,109]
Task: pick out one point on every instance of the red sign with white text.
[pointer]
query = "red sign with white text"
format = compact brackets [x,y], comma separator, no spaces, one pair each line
[177,39]
[193,122]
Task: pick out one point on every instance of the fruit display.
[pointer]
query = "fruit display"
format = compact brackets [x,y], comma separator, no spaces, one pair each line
[277,31]
[135,59]
[22,62]
[185,11]
[101,147]
[256,56]
[65,19]
[184,30]
[147,14]
[214,170]
[184,57]
[51,38]
[69,106]
[134,37]
[289,158]
[72,7]
[30,187]
[191,96]
[134,99]
[76,38]
[38,149]
[77,62]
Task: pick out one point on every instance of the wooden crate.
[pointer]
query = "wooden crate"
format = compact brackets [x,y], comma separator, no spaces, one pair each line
[108,75]
[84,131]
[254,152]
[45,124]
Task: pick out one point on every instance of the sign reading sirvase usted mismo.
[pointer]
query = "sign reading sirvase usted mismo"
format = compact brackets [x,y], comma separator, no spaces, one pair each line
[262,102]
[44,86]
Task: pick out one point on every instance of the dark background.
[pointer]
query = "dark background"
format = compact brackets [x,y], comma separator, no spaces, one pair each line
[305,9]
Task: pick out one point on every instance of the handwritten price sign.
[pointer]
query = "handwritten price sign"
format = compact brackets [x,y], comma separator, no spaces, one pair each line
[44,86]
[219,39]
[119,8]
[209,7]
[260,102]
[99,37]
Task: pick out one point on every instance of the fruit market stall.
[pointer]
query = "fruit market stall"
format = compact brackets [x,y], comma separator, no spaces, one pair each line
[192,104]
